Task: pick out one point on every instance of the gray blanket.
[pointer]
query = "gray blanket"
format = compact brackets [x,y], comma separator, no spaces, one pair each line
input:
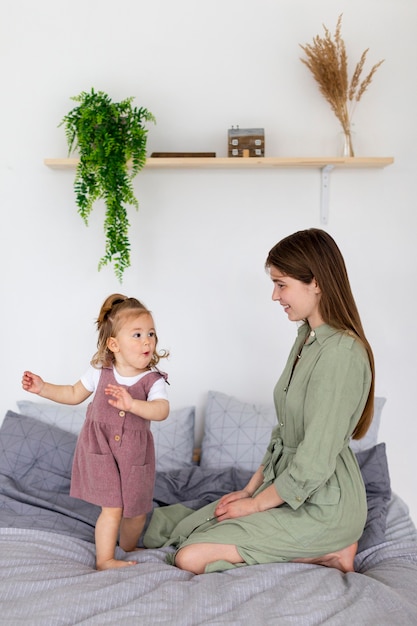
[48,579]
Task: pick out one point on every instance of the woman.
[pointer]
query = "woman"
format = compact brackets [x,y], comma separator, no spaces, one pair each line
[307,501]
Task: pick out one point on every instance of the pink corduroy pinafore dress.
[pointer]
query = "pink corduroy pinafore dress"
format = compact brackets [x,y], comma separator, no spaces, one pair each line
[114,460]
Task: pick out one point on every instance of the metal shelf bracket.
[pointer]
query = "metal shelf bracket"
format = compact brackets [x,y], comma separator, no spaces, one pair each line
[325,184]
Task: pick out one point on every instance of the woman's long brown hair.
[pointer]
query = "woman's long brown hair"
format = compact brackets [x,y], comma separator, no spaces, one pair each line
[313,254]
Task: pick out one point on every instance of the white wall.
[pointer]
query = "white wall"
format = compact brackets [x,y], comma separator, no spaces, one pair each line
[200,238]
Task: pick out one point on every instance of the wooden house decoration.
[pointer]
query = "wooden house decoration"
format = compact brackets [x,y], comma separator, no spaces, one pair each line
[246,142]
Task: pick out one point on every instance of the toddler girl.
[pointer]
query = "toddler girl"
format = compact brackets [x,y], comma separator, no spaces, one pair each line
[114,461]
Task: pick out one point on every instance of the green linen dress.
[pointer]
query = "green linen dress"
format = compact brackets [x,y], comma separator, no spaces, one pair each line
[318,401]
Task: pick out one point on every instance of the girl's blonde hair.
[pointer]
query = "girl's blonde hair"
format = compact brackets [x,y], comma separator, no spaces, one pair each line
[113,313]
[313,254]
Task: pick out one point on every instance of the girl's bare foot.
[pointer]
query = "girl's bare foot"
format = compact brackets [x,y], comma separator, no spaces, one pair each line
[341,560]
[136,550]
[113,564]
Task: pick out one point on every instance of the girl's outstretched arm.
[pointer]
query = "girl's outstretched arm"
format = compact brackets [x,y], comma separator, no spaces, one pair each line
[65,394]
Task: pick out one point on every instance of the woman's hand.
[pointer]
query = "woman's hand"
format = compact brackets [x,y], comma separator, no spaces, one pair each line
[236,504]
[224,506]
[241,503]
[232,496]
[122,399]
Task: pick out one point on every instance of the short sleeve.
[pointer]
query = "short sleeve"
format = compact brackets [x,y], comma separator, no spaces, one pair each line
[90,378]
[159,390]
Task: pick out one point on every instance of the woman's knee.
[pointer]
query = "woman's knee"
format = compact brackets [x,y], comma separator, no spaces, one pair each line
[186,559]
[195,557]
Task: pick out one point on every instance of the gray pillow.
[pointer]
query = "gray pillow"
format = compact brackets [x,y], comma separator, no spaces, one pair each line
[371,437]
[35,470]
[374,469]
[67,417]
[26,445]
[174,440]
[173,437]
[237,433]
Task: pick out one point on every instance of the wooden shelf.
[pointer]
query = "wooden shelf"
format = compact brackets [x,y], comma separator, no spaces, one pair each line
[326,165]
[246,162]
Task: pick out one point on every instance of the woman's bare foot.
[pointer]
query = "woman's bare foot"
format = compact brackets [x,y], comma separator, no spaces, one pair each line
[341,560]
[113,564]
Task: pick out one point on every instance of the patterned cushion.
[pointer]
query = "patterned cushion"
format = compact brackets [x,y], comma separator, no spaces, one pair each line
[70,418]
[26,444]
[174,437]
[35,470]
[237,433]
[371,437]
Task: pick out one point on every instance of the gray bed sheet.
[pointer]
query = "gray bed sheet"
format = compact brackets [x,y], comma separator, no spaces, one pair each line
[48,579]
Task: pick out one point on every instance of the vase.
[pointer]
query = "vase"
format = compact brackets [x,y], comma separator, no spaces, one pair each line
[347,143]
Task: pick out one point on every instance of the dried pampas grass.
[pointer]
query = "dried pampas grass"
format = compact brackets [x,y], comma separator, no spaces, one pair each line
[327,60]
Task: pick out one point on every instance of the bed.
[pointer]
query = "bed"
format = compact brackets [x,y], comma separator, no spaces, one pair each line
[47,554]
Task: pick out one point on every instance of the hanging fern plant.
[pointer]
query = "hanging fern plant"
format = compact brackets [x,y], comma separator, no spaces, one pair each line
[111,141]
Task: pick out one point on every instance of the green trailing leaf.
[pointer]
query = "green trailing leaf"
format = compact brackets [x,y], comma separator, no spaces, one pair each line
[108,135]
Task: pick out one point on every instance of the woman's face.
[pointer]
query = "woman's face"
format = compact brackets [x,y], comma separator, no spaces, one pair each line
[300,300]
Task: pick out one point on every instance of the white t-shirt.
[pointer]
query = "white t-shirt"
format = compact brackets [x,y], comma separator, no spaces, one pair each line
[158,391]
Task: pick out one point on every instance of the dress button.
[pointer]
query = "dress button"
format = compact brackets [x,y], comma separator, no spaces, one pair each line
[313,333]
[298,499]
[117,437]
[122,413]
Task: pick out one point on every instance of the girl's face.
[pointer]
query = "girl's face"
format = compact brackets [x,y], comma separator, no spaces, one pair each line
[300,300]
[134,344]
